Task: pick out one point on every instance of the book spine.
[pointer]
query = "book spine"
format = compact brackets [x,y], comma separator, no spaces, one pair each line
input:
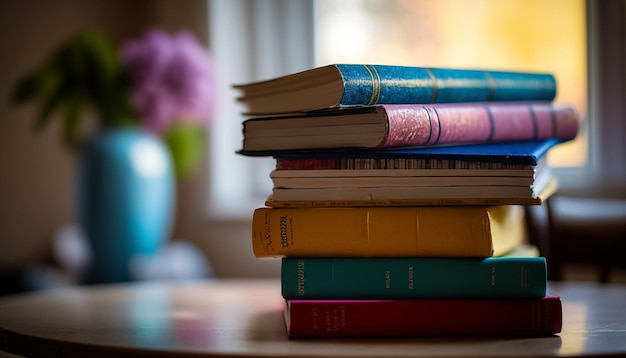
[390,164]
[400,202]
[372,231]
[375,84]
[528,172]
[403,278]
[549,190]
[472,123]
[420,318]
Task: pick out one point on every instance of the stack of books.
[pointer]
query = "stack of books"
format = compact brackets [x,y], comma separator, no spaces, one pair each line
[397,205]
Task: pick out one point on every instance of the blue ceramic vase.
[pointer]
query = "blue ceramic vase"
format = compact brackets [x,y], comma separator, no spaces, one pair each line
[126,199]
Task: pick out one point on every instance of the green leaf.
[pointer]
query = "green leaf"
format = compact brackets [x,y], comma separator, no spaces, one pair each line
[186,143]
[73,112]
[105,76]
[50,104]
[83,73]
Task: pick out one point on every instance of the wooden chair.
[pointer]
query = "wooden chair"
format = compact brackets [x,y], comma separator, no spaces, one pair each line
[580,230]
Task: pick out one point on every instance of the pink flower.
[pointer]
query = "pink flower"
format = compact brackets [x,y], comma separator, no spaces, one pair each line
[171,79]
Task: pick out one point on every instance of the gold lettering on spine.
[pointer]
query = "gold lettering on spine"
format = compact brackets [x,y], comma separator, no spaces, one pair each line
[524,277]
[433,99]
[284,241]
[314,316]
[267,233]
[328,321]
[375,84]
[300,277]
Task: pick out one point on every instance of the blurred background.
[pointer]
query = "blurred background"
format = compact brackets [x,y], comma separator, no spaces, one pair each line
[254,40]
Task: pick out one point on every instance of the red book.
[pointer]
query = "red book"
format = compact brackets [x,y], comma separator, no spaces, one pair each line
[423,318]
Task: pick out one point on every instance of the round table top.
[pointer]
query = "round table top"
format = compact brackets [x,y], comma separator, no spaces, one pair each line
[244,318]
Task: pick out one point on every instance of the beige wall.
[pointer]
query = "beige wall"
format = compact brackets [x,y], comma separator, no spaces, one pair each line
[36,173]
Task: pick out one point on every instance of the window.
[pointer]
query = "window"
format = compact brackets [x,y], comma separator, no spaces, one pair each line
[255,40]
[523,35]
[250,40]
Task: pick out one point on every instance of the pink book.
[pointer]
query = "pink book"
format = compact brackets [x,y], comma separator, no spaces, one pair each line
[423,318]
[410,125]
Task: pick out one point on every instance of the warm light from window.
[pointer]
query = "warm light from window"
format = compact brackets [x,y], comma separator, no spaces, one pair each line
[518,35]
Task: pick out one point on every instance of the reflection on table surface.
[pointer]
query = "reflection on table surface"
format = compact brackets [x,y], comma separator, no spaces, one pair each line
[244,317]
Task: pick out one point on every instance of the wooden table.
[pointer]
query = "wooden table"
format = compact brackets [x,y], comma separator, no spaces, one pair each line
[243,318]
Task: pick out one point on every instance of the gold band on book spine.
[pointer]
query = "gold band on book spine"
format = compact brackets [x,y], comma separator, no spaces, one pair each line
[492,123]
[492,85]
[435,126]
[433,98]
[533,116]
[375,84]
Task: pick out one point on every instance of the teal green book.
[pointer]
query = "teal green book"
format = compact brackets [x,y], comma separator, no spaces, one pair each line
[415,278]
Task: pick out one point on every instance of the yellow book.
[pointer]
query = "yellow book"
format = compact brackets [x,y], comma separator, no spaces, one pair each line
[445,231]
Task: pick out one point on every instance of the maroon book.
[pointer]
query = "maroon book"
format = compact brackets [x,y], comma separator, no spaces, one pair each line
[423,318]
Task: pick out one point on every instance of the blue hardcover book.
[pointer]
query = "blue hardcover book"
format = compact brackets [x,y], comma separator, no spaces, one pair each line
[345,85]
[524,152]
[417,278]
